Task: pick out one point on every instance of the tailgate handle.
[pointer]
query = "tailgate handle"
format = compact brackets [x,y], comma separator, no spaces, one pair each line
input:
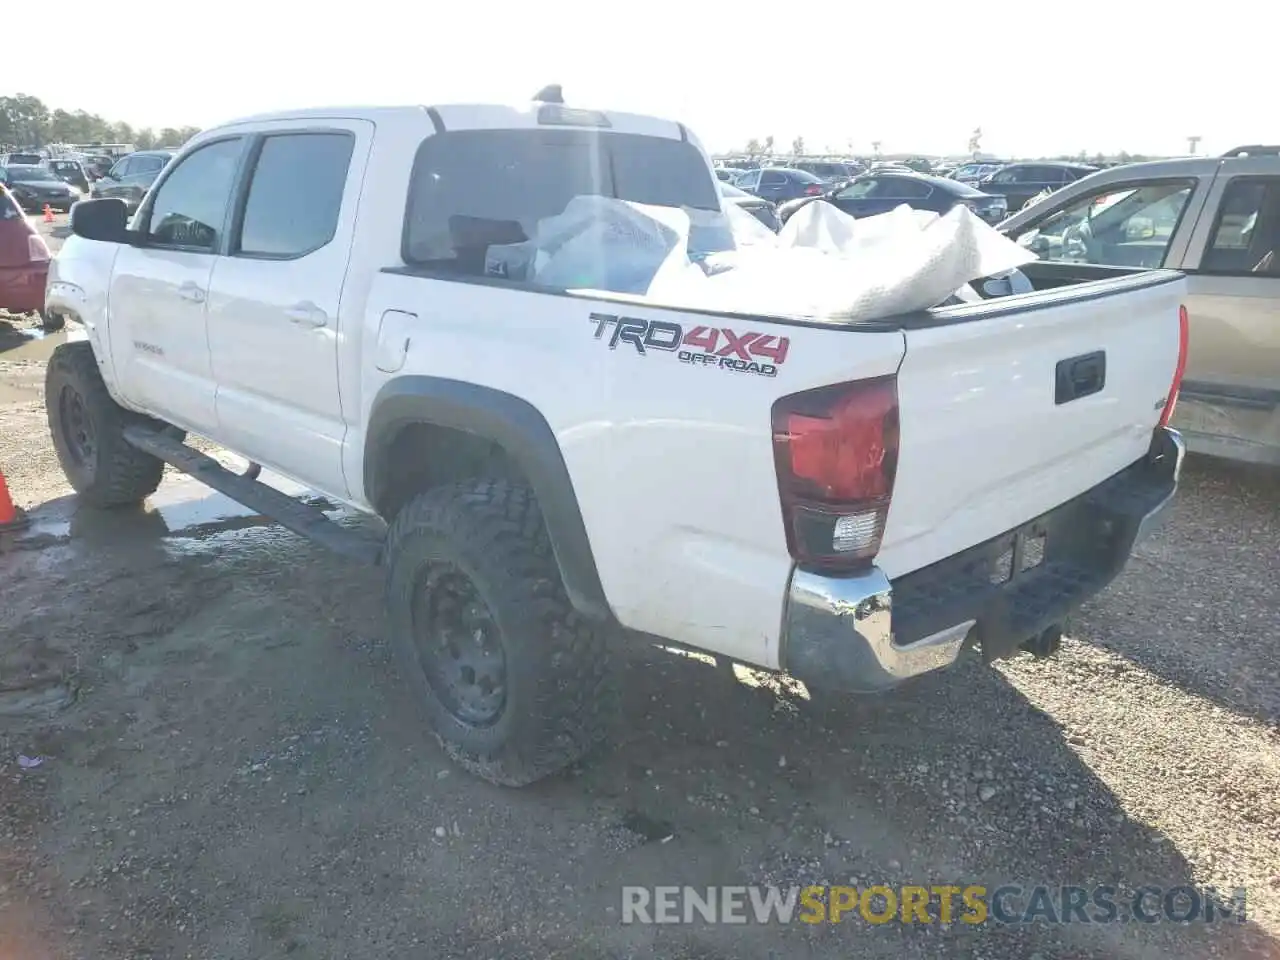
[1080,376]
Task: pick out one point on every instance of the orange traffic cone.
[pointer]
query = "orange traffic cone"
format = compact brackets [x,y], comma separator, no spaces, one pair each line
[11,518]
[48,214]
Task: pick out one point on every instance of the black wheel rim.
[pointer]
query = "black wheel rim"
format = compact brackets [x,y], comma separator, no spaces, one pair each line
[77,428]
[459,645]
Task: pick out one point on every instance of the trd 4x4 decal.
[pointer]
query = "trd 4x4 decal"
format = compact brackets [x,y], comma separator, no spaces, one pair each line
[717,347]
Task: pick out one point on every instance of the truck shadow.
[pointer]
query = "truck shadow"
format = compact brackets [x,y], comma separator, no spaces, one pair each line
[1199,604]
[958,779]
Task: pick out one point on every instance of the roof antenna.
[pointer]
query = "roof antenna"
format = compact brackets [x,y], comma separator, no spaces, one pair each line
[549,94]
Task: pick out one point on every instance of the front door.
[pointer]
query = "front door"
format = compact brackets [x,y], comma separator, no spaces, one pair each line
[275,300]
[160,286]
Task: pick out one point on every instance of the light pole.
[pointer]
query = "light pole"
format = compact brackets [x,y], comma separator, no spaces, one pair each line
[1192,143]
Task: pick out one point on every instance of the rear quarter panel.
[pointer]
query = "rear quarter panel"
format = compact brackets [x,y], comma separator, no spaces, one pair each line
[672,463]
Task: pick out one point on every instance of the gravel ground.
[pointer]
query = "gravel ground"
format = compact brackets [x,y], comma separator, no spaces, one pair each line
[232,768]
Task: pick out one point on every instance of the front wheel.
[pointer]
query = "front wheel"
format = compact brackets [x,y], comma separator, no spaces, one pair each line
[87,427]
[514,683]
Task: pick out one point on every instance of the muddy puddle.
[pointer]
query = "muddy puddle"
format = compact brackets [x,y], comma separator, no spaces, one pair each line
[184,515]
[23,351]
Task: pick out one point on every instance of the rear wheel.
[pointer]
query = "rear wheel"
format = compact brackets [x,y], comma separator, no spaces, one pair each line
[514,683]
[87,427]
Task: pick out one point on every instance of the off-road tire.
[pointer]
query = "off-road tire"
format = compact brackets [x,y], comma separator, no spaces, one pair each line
[560,690]
[115,474]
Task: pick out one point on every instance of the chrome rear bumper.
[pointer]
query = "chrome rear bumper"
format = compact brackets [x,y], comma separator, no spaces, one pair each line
[845,632]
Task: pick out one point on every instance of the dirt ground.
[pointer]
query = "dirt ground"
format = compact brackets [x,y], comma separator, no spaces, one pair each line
[230,767]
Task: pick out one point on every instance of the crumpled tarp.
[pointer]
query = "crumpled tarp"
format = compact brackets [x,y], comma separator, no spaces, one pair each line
[824,264]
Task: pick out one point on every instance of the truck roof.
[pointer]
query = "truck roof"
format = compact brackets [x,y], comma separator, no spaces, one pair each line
[477,116]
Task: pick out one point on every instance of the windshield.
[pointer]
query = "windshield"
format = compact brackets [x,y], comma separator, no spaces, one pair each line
[30,173]
[22,159]
[729,190]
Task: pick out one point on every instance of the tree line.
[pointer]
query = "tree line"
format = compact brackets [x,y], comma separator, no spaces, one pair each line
[26,121]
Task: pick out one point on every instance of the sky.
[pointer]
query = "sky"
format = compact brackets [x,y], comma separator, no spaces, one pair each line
[1039,79]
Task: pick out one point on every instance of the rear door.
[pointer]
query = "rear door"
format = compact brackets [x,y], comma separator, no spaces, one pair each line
[1233,265]
[275,299]
[990,440]
[159,287]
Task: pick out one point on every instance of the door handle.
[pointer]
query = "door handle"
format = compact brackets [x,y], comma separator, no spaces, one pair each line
[189,291]
[306,315]
[1080,376]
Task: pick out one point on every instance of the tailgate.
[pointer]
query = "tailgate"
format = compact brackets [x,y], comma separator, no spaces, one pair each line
[1014,406]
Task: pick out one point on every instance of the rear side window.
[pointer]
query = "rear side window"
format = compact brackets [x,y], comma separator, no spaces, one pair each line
[295,195]
[1246,235]
[471,189]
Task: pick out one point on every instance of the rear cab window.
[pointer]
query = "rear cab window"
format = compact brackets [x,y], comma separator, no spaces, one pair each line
[472,189]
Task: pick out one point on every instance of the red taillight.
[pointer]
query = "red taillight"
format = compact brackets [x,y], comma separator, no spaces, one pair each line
[812,190]
[836,453]
[37,249]
[1184,340]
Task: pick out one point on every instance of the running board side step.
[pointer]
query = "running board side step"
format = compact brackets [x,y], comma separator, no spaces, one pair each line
[293,515]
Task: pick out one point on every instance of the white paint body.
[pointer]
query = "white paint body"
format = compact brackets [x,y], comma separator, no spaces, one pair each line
[672,464]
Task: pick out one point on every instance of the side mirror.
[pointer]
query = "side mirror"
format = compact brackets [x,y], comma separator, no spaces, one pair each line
[105,219]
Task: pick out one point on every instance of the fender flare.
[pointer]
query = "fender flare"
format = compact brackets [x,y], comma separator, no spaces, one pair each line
[523,433]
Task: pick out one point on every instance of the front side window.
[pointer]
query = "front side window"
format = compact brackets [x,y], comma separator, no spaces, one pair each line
[146,165]
[295,195]
[191,204]
[1130,225]
[1246,234]
[858,189]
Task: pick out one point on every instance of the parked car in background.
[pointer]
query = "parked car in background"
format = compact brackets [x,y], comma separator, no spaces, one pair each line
[34,186]
[780,184]
[726,174]
[829,171]
[22,159]
[1020,182]
[758,207]
[132,176]
[1217,221]
[70,171]
[882,191]
[976,172]
[24,259]
[97,165]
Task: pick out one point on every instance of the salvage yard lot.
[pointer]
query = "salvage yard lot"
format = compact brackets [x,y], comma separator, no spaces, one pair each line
[231,767]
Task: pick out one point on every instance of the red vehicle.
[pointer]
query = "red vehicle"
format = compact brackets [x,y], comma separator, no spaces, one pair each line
[24,260]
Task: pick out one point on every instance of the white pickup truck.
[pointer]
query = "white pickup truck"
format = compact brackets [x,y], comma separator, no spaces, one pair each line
[854,503]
